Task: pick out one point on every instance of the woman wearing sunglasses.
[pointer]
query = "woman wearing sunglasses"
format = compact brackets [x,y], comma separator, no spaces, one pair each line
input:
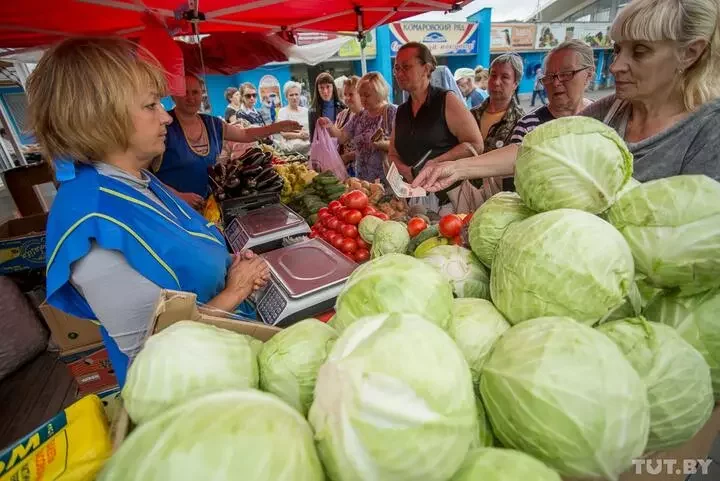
[248,113]
[569,68]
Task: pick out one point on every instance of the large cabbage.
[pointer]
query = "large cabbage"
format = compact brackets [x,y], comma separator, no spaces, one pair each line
[184,361]
[367,227]
[461,268]
[673,228]
[676,375]
[390,237]
[565,394]
[490,222]
[475,326]
[394,283]
[495,464]
[697,319]
[485,438]
[572,163]
[394,402]
[561,263]
[227,436]
[290,360]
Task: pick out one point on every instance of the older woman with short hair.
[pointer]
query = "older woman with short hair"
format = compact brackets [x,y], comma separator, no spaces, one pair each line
[667,87]
[116,236]
[376,120]
[297,141]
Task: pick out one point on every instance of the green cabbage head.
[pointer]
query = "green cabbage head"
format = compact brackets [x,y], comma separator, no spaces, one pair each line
[290,360]
[394,402]
[184,361]
[490,222]
[697,320]
[367,227]
[676,375]
[224,436]
[564,393]
[496,464]
[572,163]
[461,268]
[390,237]
[561,263]
[673,228]
[485,438]
[394,283]
[475,326]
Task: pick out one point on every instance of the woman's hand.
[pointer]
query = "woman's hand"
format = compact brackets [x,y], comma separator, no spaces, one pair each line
[195,201]
[325,122]
[246,274]
[437,176]
[288,126]
[382,145]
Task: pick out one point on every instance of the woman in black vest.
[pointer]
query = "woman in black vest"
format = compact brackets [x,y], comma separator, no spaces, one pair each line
[430,120]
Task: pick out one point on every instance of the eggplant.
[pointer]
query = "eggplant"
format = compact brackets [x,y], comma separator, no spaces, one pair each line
[265,174]
[251,183]
[262,184]
[274,187]
[233,184]
[250,171]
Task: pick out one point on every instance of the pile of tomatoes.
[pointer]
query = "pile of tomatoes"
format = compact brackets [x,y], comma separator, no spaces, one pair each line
[338,224]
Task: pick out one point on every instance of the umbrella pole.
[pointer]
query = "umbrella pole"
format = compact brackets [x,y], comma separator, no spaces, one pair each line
[363,60]
[361,38]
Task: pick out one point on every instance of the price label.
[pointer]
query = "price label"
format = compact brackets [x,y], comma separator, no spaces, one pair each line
[400,187]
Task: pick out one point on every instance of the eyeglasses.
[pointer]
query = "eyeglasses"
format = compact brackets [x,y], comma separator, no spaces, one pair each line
[250,96]
[403,68]
[561,76]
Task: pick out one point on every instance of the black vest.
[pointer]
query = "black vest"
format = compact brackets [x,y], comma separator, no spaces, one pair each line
[428,130]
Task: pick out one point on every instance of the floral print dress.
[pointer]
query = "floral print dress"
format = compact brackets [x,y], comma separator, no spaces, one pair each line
[361,128]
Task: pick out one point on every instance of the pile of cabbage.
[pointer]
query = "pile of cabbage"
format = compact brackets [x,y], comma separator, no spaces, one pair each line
[584,335]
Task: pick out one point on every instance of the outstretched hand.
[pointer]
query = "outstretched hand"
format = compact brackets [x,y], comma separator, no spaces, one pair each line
[437,176]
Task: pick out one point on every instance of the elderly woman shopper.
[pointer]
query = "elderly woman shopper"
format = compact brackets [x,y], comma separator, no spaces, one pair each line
[295,141]
[569,70]
[325,102]
[667,87]
[116,236]
[351,98]
[370,129]
[430,124]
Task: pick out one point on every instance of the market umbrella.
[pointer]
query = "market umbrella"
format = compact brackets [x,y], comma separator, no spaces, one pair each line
[33,23]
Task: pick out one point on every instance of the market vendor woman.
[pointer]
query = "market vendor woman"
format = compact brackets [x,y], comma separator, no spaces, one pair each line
[116,235]
[194,141]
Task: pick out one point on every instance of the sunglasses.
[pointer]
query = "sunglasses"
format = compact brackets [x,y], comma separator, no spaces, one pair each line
[250,96]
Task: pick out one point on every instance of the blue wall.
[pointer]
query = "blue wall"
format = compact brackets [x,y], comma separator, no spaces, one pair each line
[484,20]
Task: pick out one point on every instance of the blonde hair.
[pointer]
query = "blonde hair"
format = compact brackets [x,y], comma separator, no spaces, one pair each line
[377,82]
[351,82]
[683,22]
[80,93]
[583,51]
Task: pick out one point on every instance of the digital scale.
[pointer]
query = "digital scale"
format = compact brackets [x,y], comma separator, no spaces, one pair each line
[306,278]
[264,229]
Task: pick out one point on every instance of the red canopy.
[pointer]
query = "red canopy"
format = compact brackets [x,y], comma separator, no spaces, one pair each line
[33,23]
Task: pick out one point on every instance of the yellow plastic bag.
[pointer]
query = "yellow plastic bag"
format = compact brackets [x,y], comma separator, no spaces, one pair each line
[72,446]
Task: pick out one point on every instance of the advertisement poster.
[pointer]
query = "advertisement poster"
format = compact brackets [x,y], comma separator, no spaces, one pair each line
[550,35]
[270,92]
[506,37]
[349,50]
[442,38]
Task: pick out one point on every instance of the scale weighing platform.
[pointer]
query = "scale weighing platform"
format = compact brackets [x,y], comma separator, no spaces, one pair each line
[306,278]
[264,229]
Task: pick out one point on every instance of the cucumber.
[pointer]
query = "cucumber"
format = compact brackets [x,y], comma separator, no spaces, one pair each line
[430,231]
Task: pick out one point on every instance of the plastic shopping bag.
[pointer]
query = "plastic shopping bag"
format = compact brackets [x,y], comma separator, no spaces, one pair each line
[324,154]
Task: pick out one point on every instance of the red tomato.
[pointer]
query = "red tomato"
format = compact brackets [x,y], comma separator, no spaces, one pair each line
[361,255]
[325,316]
[333,223]
[326,220]
[312,234]
[356,200]
[381,215]
[323,211]
[369,210]
[334,206]
[331,235]
[450,226]
[457,240]
[348,245]
[361,243]
[323,216]
[342,198]
[349,231]
[353,216]
[340,228]
[337,242]
[416,226]
[341,213]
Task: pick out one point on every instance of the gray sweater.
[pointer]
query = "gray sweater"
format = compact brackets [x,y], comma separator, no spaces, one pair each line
[691,146]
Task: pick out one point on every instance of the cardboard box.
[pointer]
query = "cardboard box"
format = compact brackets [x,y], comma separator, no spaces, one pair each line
[69,332]
[175,306]
[22,244]
[90,366]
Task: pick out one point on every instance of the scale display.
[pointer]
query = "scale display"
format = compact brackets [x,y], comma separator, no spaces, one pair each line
[263,229]
[306,278]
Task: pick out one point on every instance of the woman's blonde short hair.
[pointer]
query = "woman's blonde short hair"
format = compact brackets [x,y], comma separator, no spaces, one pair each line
[351,82]
[377,82]
[81,92]
[683,22]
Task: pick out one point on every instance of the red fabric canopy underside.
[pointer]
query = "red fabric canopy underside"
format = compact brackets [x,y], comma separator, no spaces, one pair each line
[35,23]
